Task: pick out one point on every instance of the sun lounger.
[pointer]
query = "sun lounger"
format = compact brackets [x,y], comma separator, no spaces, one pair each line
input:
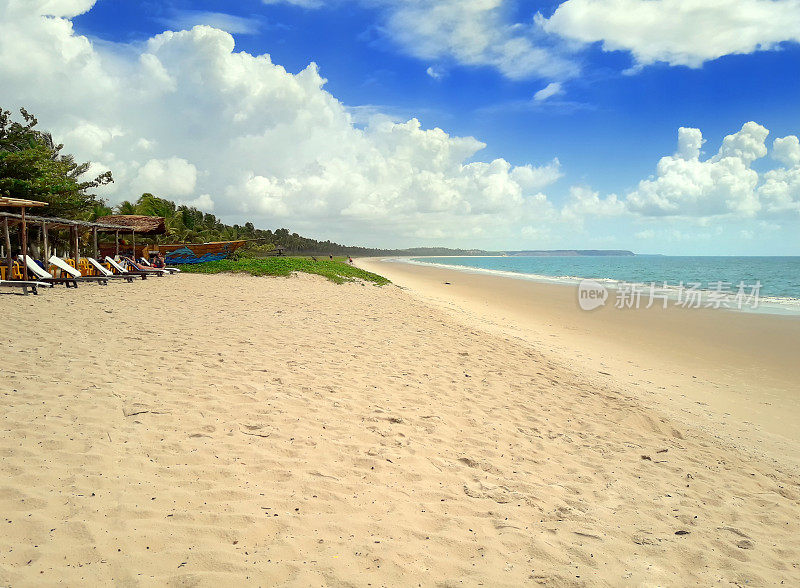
[103,271]
[133,266]
[45,276]
[25,285]
[122,271]
[147,264]
[69,270]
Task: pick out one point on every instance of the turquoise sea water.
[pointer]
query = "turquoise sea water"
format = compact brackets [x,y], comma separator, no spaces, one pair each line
[779,277]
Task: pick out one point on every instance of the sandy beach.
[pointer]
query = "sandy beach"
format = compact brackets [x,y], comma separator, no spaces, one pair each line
[234,430]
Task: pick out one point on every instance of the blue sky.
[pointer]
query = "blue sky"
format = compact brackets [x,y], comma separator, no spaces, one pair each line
[622,86]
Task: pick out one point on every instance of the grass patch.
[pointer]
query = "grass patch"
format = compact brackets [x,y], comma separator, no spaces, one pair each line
[336,271]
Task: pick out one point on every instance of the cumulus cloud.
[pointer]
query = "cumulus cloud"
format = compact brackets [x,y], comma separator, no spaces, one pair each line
[185,116]
[585,202]
[678,32]
[724,185]
[166,177]
[689,188]
[686,185]
[780,190]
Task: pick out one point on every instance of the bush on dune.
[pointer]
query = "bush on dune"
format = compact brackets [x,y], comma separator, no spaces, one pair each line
[336,271]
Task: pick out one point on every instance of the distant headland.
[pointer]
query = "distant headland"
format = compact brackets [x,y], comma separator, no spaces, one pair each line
[570,253]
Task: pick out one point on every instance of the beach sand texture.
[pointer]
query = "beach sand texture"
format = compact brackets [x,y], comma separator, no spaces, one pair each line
[231,430]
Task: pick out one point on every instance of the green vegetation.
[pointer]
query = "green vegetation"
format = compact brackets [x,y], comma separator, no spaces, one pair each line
[33,167]
[336,271]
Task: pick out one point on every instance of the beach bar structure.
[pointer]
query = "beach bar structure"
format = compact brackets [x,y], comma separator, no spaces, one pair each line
[46,223]
[133,224]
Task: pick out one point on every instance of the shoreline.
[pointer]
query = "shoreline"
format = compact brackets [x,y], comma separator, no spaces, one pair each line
[768,304]
[735,373]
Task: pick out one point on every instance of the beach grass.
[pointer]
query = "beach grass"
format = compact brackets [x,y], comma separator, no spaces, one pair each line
[336,270]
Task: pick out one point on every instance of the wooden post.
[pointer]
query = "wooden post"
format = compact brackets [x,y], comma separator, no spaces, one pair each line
[45,245]
[133,238]
[94,243]
[116,239]
[75,253]
[24,238]
[7,235]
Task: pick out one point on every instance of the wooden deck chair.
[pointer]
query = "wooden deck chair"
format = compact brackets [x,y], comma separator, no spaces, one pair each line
[131,265]
[147,264]
[45,276]
[122,271]
[103,271]
[74,273]
[26,285]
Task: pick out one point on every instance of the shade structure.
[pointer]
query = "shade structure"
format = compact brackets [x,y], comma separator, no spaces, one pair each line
[134,223]
[21,203]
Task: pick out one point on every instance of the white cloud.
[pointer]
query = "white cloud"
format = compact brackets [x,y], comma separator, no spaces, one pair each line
[302,3]
[59,8]
[184,116]
[724,185]
[787,151]
[532,178]
[186,19]
[678,32]
[203,202]
[474,34]
[166,177]
[550,90]
[685,185]
[436,74]
[780,191]
[585,202]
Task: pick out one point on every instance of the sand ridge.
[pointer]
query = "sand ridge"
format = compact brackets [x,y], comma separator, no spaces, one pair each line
[200,430]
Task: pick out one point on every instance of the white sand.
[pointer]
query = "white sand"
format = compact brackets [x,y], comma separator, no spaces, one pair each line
[230,430]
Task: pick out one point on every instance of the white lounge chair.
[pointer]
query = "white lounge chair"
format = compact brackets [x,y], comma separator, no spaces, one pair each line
[45,276]
[131,265]
[25,285]
[104,271]
[172,270]
[68,269]
[122,270]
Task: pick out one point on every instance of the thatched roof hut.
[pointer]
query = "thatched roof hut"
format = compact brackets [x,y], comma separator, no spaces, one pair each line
[143,225]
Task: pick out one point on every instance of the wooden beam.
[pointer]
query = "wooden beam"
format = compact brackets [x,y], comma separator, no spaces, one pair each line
[7,236]
[116,239]
[45,245]
[94,243]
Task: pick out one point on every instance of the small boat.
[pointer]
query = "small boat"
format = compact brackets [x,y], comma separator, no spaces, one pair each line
[179,253]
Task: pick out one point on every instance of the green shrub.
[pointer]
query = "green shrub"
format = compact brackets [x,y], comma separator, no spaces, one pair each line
[336,271]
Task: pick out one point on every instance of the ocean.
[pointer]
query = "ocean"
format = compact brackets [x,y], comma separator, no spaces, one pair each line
[776,279]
